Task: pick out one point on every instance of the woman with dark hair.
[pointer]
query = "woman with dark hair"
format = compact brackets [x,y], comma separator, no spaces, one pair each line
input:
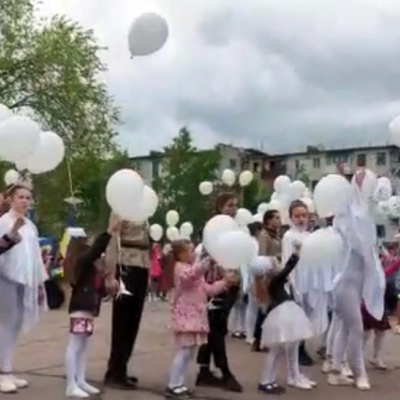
[269,245]
[218,314]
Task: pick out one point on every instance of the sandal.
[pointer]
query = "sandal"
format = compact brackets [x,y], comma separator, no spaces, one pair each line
[178,392]
[271,388]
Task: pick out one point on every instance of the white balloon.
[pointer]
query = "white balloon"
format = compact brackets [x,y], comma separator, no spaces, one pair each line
[281,184]
[206,188]
[275,196]
[5,113]
[258,218]
[307,193]
[323,244]
[260,265]
[394,128]
[18,137]
[214,228]
[124,193]
[384,189]
[228,177]
[393,205]
[243,217]
[233,249]
[47,155]
[245,178]
[11,177]
[276,205]
[148,34]
[156,232]
[262,208]
[296,190]
[149,202]
[331,195]
[173,233]
[172,218]
[186,230]
[309,203]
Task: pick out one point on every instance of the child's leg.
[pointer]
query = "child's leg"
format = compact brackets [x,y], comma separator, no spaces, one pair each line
[377,349]
[367,336]
[181,362]
[271,364]
[81,368]
[74,347]
[251,316]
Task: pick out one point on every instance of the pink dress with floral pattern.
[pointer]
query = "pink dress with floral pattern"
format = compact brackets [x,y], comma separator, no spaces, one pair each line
[189,303]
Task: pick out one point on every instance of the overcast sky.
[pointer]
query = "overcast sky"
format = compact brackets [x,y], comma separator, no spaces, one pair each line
[273,73]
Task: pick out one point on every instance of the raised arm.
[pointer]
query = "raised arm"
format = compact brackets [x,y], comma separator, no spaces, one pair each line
[186,275]
[392,268]
[282,276]
[97,249]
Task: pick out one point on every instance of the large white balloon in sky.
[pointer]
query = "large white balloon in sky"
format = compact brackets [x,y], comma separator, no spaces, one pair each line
[18,137]
[124,193]
[47,155]
[11,177]
[148,34]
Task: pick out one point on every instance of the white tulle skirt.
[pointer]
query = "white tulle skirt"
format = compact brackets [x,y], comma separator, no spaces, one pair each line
[286,323]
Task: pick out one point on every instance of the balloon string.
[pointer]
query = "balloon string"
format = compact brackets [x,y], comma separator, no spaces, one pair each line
[70,178]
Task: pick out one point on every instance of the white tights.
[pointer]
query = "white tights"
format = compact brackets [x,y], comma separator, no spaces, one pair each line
[180,365]
[75,364]
[12,315]
[379,337]
[272,359]
[239,316]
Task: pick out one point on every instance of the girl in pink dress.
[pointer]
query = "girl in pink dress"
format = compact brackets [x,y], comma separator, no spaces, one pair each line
[189,311]
[155,272]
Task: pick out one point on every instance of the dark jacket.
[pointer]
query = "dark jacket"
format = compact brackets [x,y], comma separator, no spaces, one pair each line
[276,286]
[88,291]
[6,243]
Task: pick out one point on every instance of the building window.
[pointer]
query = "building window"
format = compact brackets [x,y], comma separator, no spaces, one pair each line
[256,167]
[232,163]
[316,163]
[381,158]
[361,160]
[297,164]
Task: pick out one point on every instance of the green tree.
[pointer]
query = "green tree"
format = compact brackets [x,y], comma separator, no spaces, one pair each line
[301,175]
[51,69]
[255,193]
[184,167]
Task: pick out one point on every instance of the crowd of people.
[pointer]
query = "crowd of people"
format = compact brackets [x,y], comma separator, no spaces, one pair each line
[263,304]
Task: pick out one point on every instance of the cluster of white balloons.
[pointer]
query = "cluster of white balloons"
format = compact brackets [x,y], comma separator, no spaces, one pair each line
[227,243]
[129,197]
[285,191]
[147,34]
[26,145]
[228,178]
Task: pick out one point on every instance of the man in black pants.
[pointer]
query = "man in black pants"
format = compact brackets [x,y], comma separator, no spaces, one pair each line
[130,251]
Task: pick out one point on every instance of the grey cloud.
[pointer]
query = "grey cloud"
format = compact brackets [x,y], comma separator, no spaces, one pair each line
[283,72]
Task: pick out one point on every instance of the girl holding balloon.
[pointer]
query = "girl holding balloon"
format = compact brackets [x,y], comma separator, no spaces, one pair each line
[189,310]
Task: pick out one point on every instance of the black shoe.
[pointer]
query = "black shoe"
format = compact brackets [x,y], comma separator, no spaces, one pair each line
[206,378]
[133,379]
[178,392]
[231,384]
[271,388]
[256,346]
[120,383]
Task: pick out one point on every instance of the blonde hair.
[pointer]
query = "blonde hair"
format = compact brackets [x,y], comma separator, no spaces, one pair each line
[261,283]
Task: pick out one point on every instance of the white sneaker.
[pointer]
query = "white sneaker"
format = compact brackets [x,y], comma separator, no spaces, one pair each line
[346,371]
[326,366]
[306,379]
[362,383]
[76,392]
[377,363]
[299,383]
[86,387]
[18,382]
[339,380]
[7,385]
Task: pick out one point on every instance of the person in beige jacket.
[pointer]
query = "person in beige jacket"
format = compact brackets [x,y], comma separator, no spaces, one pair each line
[128,256]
